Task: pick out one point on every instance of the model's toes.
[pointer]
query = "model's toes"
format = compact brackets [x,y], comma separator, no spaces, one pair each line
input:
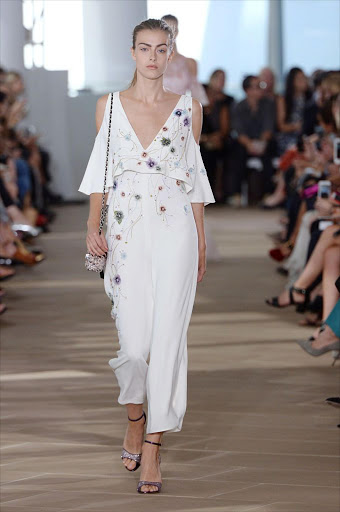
[131,464]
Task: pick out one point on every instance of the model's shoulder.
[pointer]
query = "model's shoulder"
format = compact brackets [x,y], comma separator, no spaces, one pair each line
[100,110]
[196,108]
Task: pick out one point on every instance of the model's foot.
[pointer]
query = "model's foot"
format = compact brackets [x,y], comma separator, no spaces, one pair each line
[324,338]
[151,470]
[133,441]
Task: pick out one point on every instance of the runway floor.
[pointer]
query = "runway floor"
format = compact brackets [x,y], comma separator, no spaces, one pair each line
[257,434]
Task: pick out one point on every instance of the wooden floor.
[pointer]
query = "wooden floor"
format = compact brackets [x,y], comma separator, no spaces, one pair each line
[257,434]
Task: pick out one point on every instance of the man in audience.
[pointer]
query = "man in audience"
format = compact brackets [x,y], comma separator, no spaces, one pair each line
[253,123]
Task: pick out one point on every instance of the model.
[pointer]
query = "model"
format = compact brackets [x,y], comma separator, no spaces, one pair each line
[157,188]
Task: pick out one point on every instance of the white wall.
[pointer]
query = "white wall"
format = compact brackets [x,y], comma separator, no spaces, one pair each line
[12,35]
[108,27]
[67,125]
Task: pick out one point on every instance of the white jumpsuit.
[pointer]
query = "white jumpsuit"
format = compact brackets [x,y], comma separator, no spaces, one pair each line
[151,270]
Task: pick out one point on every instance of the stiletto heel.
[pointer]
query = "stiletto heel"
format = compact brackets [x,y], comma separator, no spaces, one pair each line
[145,482]
[133,456]
[307,346]
[335,355]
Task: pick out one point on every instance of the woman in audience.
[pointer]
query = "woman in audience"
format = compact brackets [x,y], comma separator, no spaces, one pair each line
[215,130]
[290,109]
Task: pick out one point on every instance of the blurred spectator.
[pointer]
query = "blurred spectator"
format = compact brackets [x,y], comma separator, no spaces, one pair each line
[253,124]
[215,132]
[291,108]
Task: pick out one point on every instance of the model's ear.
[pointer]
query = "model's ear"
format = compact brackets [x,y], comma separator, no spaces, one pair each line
[133,55]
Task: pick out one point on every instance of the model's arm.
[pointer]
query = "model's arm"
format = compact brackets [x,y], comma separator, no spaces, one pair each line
[96,244]
[198,208]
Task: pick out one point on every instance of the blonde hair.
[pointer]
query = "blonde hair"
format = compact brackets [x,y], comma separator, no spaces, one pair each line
[151,24]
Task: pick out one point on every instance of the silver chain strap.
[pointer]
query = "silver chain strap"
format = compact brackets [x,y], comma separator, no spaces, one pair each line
[103,210]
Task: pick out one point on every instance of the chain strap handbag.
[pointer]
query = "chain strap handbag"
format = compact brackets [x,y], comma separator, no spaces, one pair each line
[92,261]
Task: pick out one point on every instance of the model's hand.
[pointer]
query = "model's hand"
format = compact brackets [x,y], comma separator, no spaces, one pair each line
[96,243]
[202,265]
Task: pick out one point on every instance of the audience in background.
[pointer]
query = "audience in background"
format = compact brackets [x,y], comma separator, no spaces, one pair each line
[253,124]
[215,132]
[24,176]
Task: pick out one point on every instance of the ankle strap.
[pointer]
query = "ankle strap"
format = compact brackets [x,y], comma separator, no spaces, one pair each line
[137,418]
[302,291]
[146,441]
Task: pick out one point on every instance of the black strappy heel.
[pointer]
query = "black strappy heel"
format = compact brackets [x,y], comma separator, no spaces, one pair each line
[300,306]
[133,456]
[145,482]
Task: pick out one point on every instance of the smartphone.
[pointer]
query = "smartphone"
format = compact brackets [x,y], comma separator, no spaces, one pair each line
[324,189]
[336,146]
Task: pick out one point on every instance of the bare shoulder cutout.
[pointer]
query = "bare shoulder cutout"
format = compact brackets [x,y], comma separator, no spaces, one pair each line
[100,109]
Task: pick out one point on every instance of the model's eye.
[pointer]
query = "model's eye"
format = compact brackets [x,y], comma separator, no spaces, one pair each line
[161,50]
[144,48]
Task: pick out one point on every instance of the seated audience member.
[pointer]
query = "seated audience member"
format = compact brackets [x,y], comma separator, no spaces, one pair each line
[215,131]
[252,125]
[291,108]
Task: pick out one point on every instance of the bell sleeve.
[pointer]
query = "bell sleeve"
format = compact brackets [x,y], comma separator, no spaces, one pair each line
[201,191]
[93,179]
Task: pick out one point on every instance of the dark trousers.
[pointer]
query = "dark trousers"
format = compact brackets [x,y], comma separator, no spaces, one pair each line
[239,171]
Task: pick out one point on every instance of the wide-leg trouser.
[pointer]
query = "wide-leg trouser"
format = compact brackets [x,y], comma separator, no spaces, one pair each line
[150,278]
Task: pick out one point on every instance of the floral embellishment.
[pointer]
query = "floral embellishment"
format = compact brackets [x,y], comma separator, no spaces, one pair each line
[187,174]
[117,279]
[158,168]
[123,255]
[139,163]
[191,170]
[182,138]
[203,171]
[178,112]
[177,163]
[172,149]
[121,165]
[138,197]
[122,193]
[164,129]
[119,215]
[162,209]
[118,237]
[127,136]
[178,182]
[186,208]
[189,109]
[165,141]
[115,184]
[151,163]
[144,154]
[113,160]
[160,187]
[186,121]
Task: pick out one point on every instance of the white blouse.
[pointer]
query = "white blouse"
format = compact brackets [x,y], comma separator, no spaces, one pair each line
[173,152]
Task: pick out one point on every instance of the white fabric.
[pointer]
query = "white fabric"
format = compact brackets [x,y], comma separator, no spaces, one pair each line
[151,271]
[174,152]
[150,278]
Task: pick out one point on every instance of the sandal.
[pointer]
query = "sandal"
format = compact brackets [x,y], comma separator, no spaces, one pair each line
[300,306]
[146,482]
[133,456]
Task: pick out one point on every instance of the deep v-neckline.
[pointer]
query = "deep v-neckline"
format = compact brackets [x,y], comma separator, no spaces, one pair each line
[133,130]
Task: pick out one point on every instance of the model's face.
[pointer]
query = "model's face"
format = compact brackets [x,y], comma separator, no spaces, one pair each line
[152,53]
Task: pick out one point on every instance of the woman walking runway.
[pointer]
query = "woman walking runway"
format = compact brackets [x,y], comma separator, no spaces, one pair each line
[157,188]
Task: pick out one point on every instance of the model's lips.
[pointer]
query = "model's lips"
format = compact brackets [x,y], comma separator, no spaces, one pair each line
[152,67]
